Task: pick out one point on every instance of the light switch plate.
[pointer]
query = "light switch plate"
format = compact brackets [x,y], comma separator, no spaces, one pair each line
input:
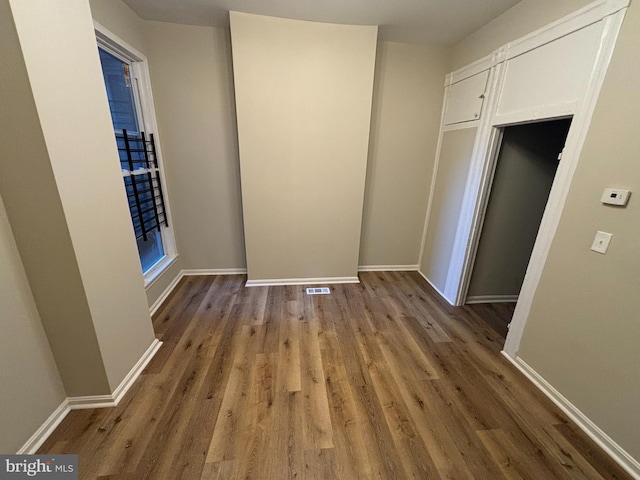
[601,242]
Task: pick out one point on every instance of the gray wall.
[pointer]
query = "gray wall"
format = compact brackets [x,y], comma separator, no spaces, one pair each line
[524,173]
[192,82]
[407,101]
[31,386]
[583,329]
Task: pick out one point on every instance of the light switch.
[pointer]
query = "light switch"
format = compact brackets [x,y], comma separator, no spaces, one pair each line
[601,242]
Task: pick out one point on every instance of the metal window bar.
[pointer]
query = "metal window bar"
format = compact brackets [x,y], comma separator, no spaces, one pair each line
[152,144]
[146,157]
[144,191]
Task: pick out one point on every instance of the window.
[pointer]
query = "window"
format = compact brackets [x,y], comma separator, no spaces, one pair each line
[128,93]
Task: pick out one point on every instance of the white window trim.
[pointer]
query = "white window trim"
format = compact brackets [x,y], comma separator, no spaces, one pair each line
[140,72]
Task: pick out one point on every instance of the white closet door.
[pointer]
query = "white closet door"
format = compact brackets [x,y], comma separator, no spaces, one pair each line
[465,99]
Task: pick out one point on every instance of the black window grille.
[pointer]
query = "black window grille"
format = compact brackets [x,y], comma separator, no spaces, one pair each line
[139,165]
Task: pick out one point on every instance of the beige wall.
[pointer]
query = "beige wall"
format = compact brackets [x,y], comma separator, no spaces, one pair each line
[303,98]
[407,103]
[207,208]
[524,174]
[583,330]
[521,19]
[451,178]
[31,386]
[66,81]
[118,17]
[54,278]
[192,81]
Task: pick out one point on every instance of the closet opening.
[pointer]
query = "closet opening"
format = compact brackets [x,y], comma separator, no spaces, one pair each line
[525,165]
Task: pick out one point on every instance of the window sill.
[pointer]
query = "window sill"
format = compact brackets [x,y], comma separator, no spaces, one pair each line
[158,269]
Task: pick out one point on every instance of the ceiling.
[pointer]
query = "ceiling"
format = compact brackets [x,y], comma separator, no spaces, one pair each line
[427,22]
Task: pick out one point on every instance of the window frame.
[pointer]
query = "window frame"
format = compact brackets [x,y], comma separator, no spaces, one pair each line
[143,98]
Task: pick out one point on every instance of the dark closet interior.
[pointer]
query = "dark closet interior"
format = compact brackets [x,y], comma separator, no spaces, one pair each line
[526,165]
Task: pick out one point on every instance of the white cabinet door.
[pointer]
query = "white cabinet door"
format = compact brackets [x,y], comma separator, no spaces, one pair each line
[465,99]
[553,75]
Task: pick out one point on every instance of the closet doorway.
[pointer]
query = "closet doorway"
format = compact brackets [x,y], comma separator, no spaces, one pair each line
[525,168]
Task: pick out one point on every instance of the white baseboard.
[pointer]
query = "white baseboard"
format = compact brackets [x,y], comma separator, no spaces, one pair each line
[435,288]
[164,295]
[301,281]
[40,436]
[104,401]
[135,372]
[215,271]
[615,451]
[189,272]
[388,268]
[491,299]
[90,401]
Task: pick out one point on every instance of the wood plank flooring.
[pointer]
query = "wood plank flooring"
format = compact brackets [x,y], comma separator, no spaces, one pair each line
[496,315]
[378,380]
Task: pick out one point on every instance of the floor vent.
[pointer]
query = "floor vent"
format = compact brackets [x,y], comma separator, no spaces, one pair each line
[318,291]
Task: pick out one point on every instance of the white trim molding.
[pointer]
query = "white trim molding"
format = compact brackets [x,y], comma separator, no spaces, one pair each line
[156,272]
[480,65]
[90,401]
[480,171]
[491,299]
[388,268]
[588,15]
[214,271]
[562,183]
[164,295]
[191,272]
[114,42]
[461,125]
[479,178]
[434,287]
[111,42]
[104,401]
[537,114]
[604,441]
[36,440]
[135,372]
[301,281]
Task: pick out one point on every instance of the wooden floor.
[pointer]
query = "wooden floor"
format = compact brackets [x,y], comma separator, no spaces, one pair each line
[378,380]
[496,315]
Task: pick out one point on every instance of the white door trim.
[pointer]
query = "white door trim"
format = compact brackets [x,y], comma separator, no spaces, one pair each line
[611,12]
[562,183]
